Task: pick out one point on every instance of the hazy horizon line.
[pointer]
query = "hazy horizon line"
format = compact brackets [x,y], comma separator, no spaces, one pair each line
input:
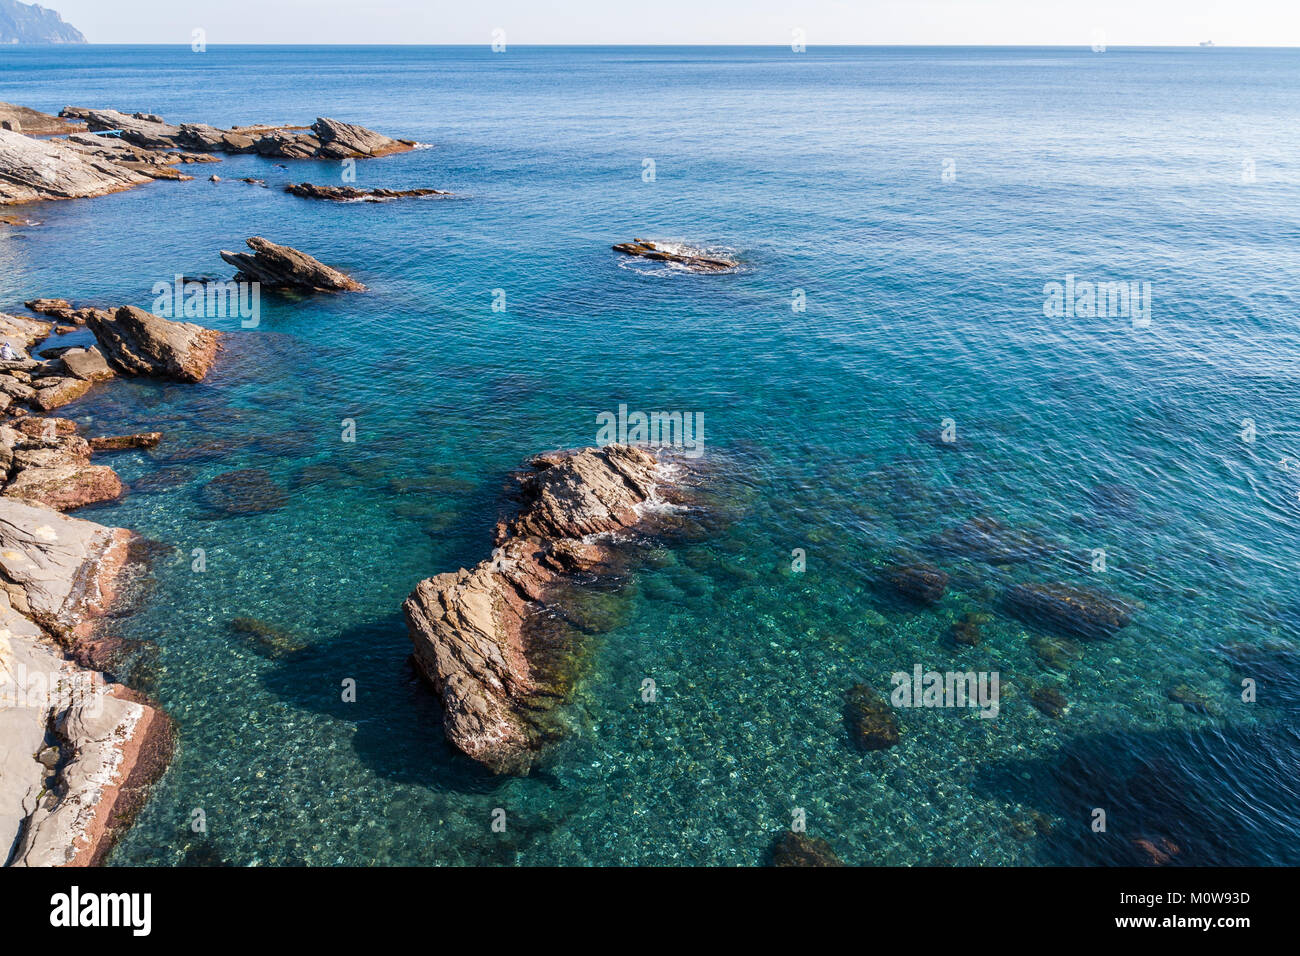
[810,46]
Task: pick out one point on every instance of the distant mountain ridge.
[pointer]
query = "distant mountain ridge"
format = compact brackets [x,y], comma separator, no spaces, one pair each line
[31,23]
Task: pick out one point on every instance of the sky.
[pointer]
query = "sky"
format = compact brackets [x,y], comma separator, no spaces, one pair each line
[827,22]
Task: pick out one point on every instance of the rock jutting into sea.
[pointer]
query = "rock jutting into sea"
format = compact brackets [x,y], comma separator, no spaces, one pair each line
[645,249]
[487,638]
[324,139]
[353,194]
[33,170]
[283,267]
[136,342]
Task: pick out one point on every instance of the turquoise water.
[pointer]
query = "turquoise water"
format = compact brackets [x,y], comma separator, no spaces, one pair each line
[821,172]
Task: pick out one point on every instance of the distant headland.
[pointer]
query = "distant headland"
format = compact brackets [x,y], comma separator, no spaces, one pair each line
[31,23]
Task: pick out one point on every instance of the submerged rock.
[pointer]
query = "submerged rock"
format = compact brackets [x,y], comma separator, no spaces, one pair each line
[870,719]
[282,267]
[645,249]
[353,194]
[493,641]
[244,491]
[1198,702]
[799,849]
[1075,610]
[988,540]
[966,632]
[1049,701]
[922,583]
[136,342]
[267,639]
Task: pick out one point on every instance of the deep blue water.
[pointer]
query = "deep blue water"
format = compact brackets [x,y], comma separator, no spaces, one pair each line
[822,172]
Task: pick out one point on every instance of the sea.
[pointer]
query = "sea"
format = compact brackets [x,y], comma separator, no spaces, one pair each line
[908,366]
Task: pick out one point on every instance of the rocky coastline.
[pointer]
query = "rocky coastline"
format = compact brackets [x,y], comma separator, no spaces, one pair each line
[79,750]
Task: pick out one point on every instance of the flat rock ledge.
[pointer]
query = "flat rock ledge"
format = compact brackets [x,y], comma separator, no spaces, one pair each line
[353,194]
[645,249]
[492,640]
[79,752]
[283,267]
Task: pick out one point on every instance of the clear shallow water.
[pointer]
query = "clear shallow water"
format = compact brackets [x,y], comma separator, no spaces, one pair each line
[822,172]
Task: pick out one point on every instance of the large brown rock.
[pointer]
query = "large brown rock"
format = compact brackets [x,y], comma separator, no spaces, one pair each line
[284,267]
[486,638]
[47,464]
[691,262]
[136,342]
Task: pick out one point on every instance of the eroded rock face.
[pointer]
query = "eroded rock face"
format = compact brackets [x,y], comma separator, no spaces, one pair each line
[136,342]
[353,194]
[486,638]
[282,267]
[645,249]
[1074,610]
[33,170]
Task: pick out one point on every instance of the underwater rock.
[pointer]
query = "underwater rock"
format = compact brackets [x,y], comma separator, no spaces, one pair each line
[871,721]
[988,540]
[799,849]
[283,267]
[1194,700]
[1075,610]
[353,194]
[1157,851]
[136,342]
[1049,701]
[1056,652]
[494,641]
[966,631]
[267,639]
[245,491]
[645,249]
[922,583]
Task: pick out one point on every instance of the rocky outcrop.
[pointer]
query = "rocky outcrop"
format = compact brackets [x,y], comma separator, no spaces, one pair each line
[688,260]
[282,267]
[1074,610]
[124,442]
[20,119]
[136,342]
[63,804]
[325,139]
[353,194]
[64,311]
[491,640]
[330,139]
[32,23]
[32,170]
[44,461]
